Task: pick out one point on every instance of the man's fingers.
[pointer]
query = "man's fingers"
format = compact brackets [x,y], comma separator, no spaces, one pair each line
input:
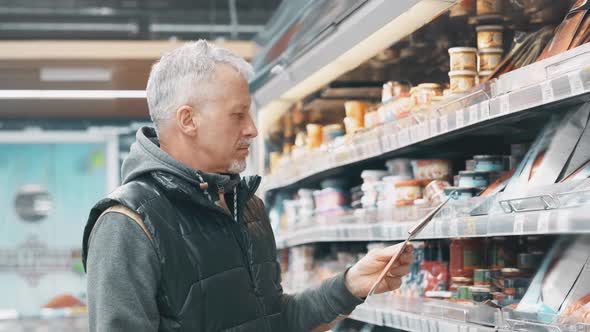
[385,254]
[393,283]
[399,271]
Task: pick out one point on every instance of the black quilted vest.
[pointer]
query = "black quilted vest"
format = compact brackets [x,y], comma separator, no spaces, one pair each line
[217,275]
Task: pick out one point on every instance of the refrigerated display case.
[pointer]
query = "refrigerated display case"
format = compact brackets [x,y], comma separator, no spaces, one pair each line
[494,112]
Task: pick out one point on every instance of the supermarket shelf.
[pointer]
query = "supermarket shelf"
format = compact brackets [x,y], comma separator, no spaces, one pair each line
[360,228]
[429,315]
[413,322]
[541,86]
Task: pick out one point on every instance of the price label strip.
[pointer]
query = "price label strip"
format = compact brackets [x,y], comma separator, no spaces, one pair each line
[547,92]
[576,83]
[519,223]
[484,110]
[444,124]
[504,104]
[543,222]
[473,114]
[460,118]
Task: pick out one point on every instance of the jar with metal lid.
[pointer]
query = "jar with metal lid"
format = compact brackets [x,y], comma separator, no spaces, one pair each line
[490,36]
[489,58]
[462,80]
[463,58]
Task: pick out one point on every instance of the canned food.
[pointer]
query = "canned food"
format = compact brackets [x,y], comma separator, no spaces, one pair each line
[463,58]
[489,58]
[488,7]
[408,190]
[462,80]
[489,36]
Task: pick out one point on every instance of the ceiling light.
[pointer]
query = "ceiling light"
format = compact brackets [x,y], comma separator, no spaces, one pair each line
[65,74]
[72,94]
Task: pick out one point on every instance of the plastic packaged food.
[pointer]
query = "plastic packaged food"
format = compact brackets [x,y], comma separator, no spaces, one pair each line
[462,80]
[465,257]
[408,190]
[489,36]
[434,192]
[486,163]
[488,7]
[463,58]
[480,294]
[435,169]
[463,193]
[474,179]
[489,59]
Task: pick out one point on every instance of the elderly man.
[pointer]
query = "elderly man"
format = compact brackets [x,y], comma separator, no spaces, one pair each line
[184,244]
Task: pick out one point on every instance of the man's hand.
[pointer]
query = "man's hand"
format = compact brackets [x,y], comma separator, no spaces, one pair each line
[364,273]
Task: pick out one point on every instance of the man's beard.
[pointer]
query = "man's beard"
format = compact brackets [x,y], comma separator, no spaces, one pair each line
[237,166]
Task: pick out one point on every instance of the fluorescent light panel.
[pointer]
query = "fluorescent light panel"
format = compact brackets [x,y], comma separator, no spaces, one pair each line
[68,74]
[72,94]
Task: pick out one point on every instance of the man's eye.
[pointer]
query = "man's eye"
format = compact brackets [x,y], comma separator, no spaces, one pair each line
[239,115]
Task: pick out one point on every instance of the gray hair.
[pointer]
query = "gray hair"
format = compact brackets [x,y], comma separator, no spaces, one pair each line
[187,66]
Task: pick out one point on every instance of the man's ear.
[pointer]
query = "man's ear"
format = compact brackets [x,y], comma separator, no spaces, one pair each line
[187,119]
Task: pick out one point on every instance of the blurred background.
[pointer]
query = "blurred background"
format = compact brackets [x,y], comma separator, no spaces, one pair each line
[72,79]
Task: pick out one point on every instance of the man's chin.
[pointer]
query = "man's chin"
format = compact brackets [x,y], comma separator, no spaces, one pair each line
[237,166]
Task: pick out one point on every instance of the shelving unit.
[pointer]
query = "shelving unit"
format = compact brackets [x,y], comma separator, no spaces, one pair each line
[565,79]
[510,109]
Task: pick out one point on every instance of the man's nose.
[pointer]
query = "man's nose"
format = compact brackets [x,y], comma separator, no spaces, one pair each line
[250,131]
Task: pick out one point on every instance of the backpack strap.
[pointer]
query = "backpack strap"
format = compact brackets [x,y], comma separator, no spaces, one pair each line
[127,212]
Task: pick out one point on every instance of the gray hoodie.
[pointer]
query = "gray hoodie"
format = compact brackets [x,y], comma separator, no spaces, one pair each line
[122,295]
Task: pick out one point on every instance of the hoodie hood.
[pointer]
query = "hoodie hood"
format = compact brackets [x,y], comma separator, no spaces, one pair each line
[147,157]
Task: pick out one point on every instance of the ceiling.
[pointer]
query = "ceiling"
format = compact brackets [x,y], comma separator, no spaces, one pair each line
[118,39]
[134,19]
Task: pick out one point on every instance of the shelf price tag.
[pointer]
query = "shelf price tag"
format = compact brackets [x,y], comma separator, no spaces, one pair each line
[504,104]
[473,114]
[460,117]
[444,123]
[563,221]
[433,126]
[576,83]
[547,92]
[484,110]
[424,130]
[403,137]
[454,228]
[543,222]
[519,219]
